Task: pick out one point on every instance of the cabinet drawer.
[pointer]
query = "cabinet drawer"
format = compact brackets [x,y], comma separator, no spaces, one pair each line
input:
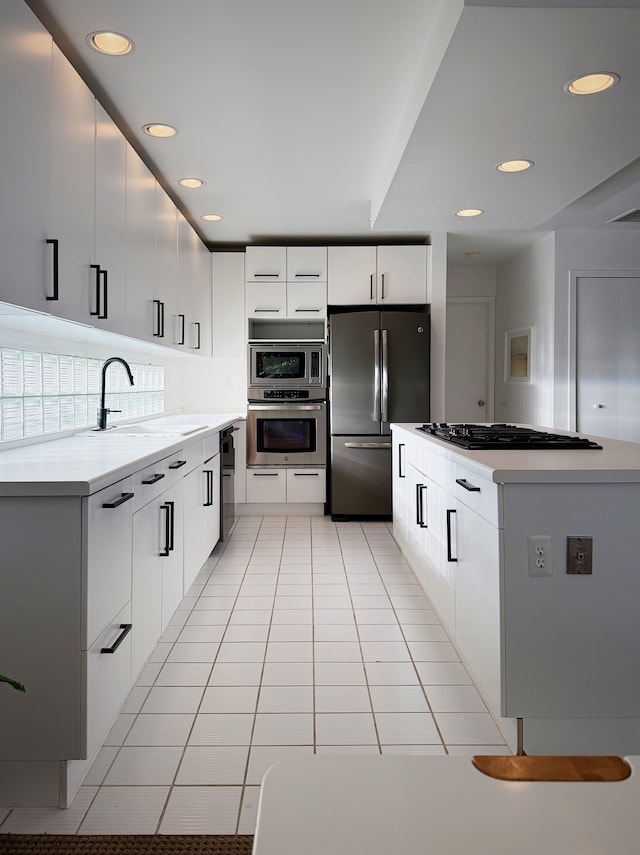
[151,481]
[266,300]
[266,485]
[477,492]
[306,300]
[211,445]
[186,458]
[306,485]
[108,678]
[108,541]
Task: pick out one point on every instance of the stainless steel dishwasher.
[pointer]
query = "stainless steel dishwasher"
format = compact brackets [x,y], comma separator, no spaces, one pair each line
[227,492]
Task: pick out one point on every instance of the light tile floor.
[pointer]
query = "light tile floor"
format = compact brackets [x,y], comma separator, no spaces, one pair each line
[300,635]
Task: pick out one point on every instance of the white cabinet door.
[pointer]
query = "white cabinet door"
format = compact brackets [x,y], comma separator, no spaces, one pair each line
[477,599]
[266,264]
[140,250]
[212,510]
[149,540]
[172,540]
[267,301]
[109,542]
[108,678]
[306,485]
[187,284]
[306,300]
[266,485]
[439,552]
[108,299]
[400,490]
[306,264]
[196,488]
[166,270]
[25,94]
[229,321]
[201,332]
[72,189]
[351,275]
[402,274]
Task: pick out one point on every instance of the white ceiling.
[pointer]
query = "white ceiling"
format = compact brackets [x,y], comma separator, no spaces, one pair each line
[371,120]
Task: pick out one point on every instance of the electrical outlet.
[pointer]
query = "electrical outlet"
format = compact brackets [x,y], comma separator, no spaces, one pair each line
[579,556]
[539,554]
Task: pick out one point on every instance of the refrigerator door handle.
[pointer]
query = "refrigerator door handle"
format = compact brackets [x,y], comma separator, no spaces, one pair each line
[384,413]
[376,376]
[367,445]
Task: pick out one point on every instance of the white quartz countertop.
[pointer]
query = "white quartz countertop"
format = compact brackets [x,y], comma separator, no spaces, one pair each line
[88,461]
[616,462]
[349,805]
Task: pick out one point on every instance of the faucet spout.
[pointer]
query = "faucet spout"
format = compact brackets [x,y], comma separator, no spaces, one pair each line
[103,412]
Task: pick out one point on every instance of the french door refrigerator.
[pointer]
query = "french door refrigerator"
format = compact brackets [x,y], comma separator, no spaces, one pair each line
[378,374]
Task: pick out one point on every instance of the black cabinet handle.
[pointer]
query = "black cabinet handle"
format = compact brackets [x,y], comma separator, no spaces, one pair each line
[178,464]
[159,319]
[418,506]
[449,555]
[197,326]
[182,329]
[266,275]
[154,478]
[382,291]
[307,310]
[208,473]
[467,486]
[167,529]
[96,267]
[56,269]
[266,310]
[265,474]
[123,498]
[306,474]
[172,531]
[104,314]
[307,276]
[126,629]
[401,474]
[371,287]
[423,489]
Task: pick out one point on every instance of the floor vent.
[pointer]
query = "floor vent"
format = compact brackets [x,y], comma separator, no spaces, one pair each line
[632,216]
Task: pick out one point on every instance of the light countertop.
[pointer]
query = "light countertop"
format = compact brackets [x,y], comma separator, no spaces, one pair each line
[350,805]
[616,462]
[89,460]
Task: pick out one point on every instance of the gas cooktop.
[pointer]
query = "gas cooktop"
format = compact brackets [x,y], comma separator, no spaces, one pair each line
[478,437]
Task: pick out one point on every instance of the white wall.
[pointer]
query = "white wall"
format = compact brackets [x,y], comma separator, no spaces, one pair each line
[471,281]
[525,297]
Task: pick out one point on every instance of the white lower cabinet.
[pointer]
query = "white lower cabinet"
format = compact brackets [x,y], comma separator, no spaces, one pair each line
[286,485]
[157,580]
[202,516]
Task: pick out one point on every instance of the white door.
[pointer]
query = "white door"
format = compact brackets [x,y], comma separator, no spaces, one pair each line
[469,360]
[608,356]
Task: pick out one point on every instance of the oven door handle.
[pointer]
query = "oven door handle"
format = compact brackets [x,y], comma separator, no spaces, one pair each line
[291,406]
[367,445]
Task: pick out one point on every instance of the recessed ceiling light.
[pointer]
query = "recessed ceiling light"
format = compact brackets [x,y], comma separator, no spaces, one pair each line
[114,44]
[193,183]
[211,218]
[514,165]
[159,130]
[473,253]
[589,84]
[469,212]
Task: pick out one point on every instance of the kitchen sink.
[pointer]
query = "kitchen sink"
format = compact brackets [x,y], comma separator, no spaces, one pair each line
[144,429]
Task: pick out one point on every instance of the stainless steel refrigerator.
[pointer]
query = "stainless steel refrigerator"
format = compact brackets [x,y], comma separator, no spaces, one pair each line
[378,374]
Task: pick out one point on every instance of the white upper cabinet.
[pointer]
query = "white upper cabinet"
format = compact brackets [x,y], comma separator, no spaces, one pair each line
[108,270]
[361,275]
[25,95]
[166,270]
[306,264]
[72,190]
[201,332]
[140,249]
[266,264]
[194,292]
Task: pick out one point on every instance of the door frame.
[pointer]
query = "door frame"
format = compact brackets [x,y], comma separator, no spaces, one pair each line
[490,334]
[572,372]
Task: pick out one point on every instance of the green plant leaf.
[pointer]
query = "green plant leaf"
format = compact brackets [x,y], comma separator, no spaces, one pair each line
[18,686]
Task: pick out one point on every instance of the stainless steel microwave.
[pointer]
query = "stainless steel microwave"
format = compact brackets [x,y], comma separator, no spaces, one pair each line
[287,365]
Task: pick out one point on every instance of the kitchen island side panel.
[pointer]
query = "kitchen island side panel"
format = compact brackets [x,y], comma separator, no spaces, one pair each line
[572,642]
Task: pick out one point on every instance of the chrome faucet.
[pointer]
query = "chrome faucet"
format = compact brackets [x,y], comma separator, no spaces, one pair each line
[103,412]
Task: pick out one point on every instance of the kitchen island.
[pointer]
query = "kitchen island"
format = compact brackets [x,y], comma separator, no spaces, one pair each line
[528,557]
[102,534]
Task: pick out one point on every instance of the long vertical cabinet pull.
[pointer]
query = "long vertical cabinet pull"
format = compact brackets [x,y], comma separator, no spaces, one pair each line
[97,312]
[375,416]
[197,337]
[382,289]
[181,336]
[401,471]
[55,270]
[371,287]
[104,314]
[421,489]
[168,527]
[158,320]
[384,409]
[450,556]
[208,474]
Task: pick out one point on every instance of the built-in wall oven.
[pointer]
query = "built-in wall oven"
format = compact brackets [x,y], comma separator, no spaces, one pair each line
[287,427]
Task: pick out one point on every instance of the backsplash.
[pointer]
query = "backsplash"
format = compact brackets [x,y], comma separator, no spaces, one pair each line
[44,393]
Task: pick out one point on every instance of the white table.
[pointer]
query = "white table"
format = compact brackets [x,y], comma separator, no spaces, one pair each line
[379,805]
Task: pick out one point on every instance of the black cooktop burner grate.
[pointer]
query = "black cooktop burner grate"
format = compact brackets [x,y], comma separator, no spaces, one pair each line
[477,437]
